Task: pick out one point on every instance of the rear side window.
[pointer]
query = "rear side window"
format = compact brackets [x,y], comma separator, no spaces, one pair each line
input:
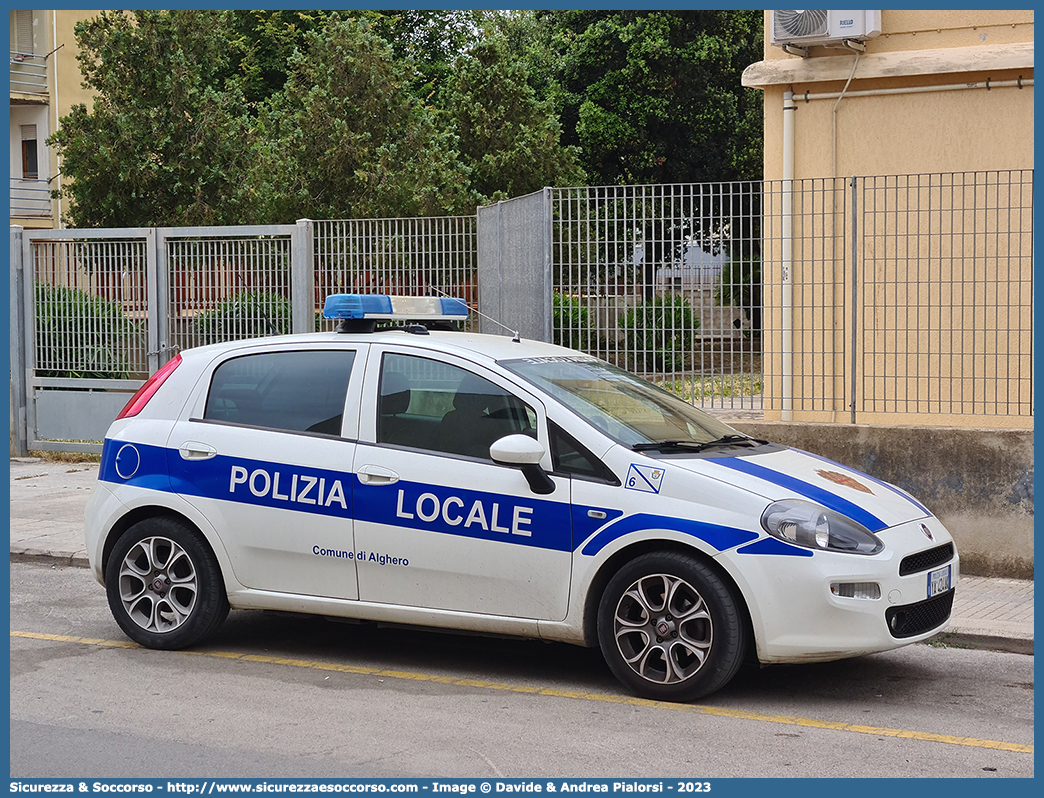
[301,391]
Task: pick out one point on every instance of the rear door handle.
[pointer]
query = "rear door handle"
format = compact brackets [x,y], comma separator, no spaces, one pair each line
[193,450]
[376,475]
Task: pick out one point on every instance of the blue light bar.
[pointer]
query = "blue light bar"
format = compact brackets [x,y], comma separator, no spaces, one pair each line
[383,307]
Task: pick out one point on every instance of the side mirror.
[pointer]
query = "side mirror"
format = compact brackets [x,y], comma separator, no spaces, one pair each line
[525,453]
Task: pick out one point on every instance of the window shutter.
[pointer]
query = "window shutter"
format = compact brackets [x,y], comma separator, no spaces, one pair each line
[24,32]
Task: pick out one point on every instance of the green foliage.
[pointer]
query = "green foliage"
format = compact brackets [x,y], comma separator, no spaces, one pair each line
[656,96]
[508,139]
[82,335]
[659,333]
[430,41]
[739,285]
[571,322]
[698,389]
[345,138]
[266,116]
[163,140]
[246,315]
[261,46]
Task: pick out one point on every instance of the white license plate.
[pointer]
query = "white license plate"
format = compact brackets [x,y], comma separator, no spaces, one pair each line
[938,581]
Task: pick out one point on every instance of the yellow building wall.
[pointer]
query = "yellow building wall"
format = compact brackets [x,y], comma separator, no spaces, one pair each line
[947,321]
[53,34]
[966,130]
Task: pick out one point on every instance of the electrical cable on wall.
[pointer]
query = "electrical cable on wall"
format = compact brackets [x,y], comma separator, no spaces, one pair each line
[834,115]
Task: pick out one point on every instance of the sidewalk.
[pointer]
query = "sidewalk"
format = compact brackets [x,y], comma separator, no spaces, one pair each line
[47,504]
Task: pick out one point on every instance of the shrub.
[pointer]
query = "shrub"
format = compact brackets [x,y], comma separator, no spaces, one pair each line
[82,335]
[570,321]
[246,315]
[740,286]
[571,326]
[659,333]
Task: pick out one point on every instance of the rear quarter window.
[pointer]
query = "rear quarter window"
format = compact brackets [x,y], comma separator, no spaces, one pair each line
[296,391]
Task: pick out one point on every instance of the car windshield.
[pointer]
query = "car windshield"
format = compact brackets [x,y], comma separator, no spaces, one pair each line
[624,406]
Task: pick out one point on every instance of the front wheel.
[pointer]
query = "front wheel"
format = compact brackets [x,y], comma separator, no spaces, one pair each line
[164,585]
[669,628]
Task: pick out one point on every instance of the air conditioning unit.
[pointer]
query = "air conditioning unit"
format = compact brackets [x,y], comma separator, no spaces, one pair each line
[806,28]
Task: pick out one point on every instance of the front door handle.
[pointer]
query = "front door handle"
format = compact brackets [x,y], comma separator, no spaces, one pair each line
[376,475]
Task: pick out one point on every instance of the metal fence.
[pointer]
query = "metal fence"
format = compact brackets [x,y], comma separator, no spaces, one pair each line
[851,299]
[89,308]
[663,280]
[419,256]
[945,300]
[94,312]
[226,287]
[869,299]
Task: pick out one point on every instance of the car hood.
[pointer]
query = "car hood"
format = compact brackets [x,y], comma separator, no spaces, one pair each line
[791,473]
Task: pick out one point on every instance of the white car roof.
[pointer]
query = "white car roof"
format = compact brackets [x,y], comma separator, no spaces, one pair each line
[466,344]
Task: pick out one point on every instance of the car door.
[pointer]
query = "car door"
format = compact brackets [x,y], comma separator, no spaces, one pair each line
[265,453]
[438,524]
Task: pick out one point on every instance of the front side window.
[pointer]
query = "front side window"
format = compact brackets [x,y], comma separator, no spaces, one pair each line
[569,456]
[297,391]
[428,404]
[625,407]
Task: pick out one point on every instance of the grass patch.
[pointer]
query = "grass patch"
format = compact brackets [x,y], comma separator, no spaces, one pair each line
[719,386]
[66,457]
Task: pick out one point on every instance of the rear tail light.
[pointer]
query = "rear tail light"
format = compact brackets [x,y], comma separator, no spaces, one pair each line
[148,390]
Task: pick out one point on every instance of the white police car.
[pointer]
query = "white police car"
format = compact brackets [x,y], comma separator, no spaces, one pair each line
[478,482]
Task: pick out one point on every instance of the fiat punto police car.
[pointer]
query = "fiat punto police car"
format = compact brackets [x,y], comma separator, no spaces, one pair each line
[448,479]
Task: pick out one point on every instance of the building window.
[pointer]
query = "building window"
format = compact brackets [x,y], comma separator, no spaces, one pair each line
[24,32]
[30,158]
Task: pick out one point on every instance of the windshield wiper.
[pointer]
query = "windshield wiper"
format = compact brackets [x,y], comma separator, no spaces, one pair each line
[642,447]
[696,446]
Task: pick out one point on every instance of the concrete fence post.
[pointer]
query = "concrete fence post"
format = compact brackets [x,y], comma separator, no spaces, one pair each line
[19,432]
[302,276]
[514,263]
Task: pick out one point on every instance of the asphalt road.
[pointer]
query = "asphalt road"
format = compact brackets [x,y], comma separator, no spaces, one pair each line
[301,697]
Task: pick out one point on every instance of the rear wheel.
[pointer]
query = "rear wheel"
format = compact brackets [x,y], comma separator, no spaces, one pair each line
[669,628]
[164,585]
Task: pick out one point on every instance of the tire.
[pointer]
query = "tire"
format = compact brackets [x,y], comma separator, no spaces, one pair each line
[164,585]
[669,628]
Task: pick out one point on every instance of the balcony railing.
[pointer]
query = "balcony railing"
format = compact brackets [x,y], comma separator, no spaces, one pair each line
[29,74]
[30,198]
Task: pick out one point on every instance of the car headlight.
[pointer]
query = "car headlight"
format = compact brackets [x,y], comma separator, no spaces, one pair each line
[815,527]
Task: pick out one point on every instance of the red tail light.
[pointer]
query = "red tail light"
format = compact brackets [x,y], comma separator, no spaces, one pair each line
[147,391]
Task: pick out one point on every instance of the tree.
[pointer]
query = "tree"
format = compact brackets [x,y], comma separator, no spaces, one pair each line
[261,46]
[430,42]
[508,139]
[164,137]
[656,96]
[345,138]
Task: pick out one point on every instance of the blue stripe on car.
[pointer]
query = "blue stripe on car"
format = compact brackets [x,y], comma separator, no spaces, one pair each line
[720,537]
[829,500]
[528,521]
[774,547]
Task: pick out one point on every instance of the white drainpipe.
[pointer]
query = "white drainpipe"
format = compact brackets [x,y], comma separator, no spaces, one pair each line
[787,350]
[54,72]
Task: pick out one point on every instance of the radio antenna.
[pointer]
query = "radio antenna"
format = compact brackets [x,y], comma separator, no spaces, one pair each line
[514,333]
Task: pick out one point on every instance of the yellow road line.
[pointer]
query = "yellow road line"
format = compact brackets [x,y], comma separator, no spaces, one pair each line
[577,694]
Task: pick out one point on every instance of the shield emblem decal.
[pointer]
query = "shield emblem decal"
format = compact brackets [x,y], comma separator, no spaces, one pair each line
[843,479]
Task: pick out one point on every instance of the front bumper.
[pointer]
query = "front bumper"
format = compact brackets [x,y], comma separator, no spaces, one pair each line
[797,618]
